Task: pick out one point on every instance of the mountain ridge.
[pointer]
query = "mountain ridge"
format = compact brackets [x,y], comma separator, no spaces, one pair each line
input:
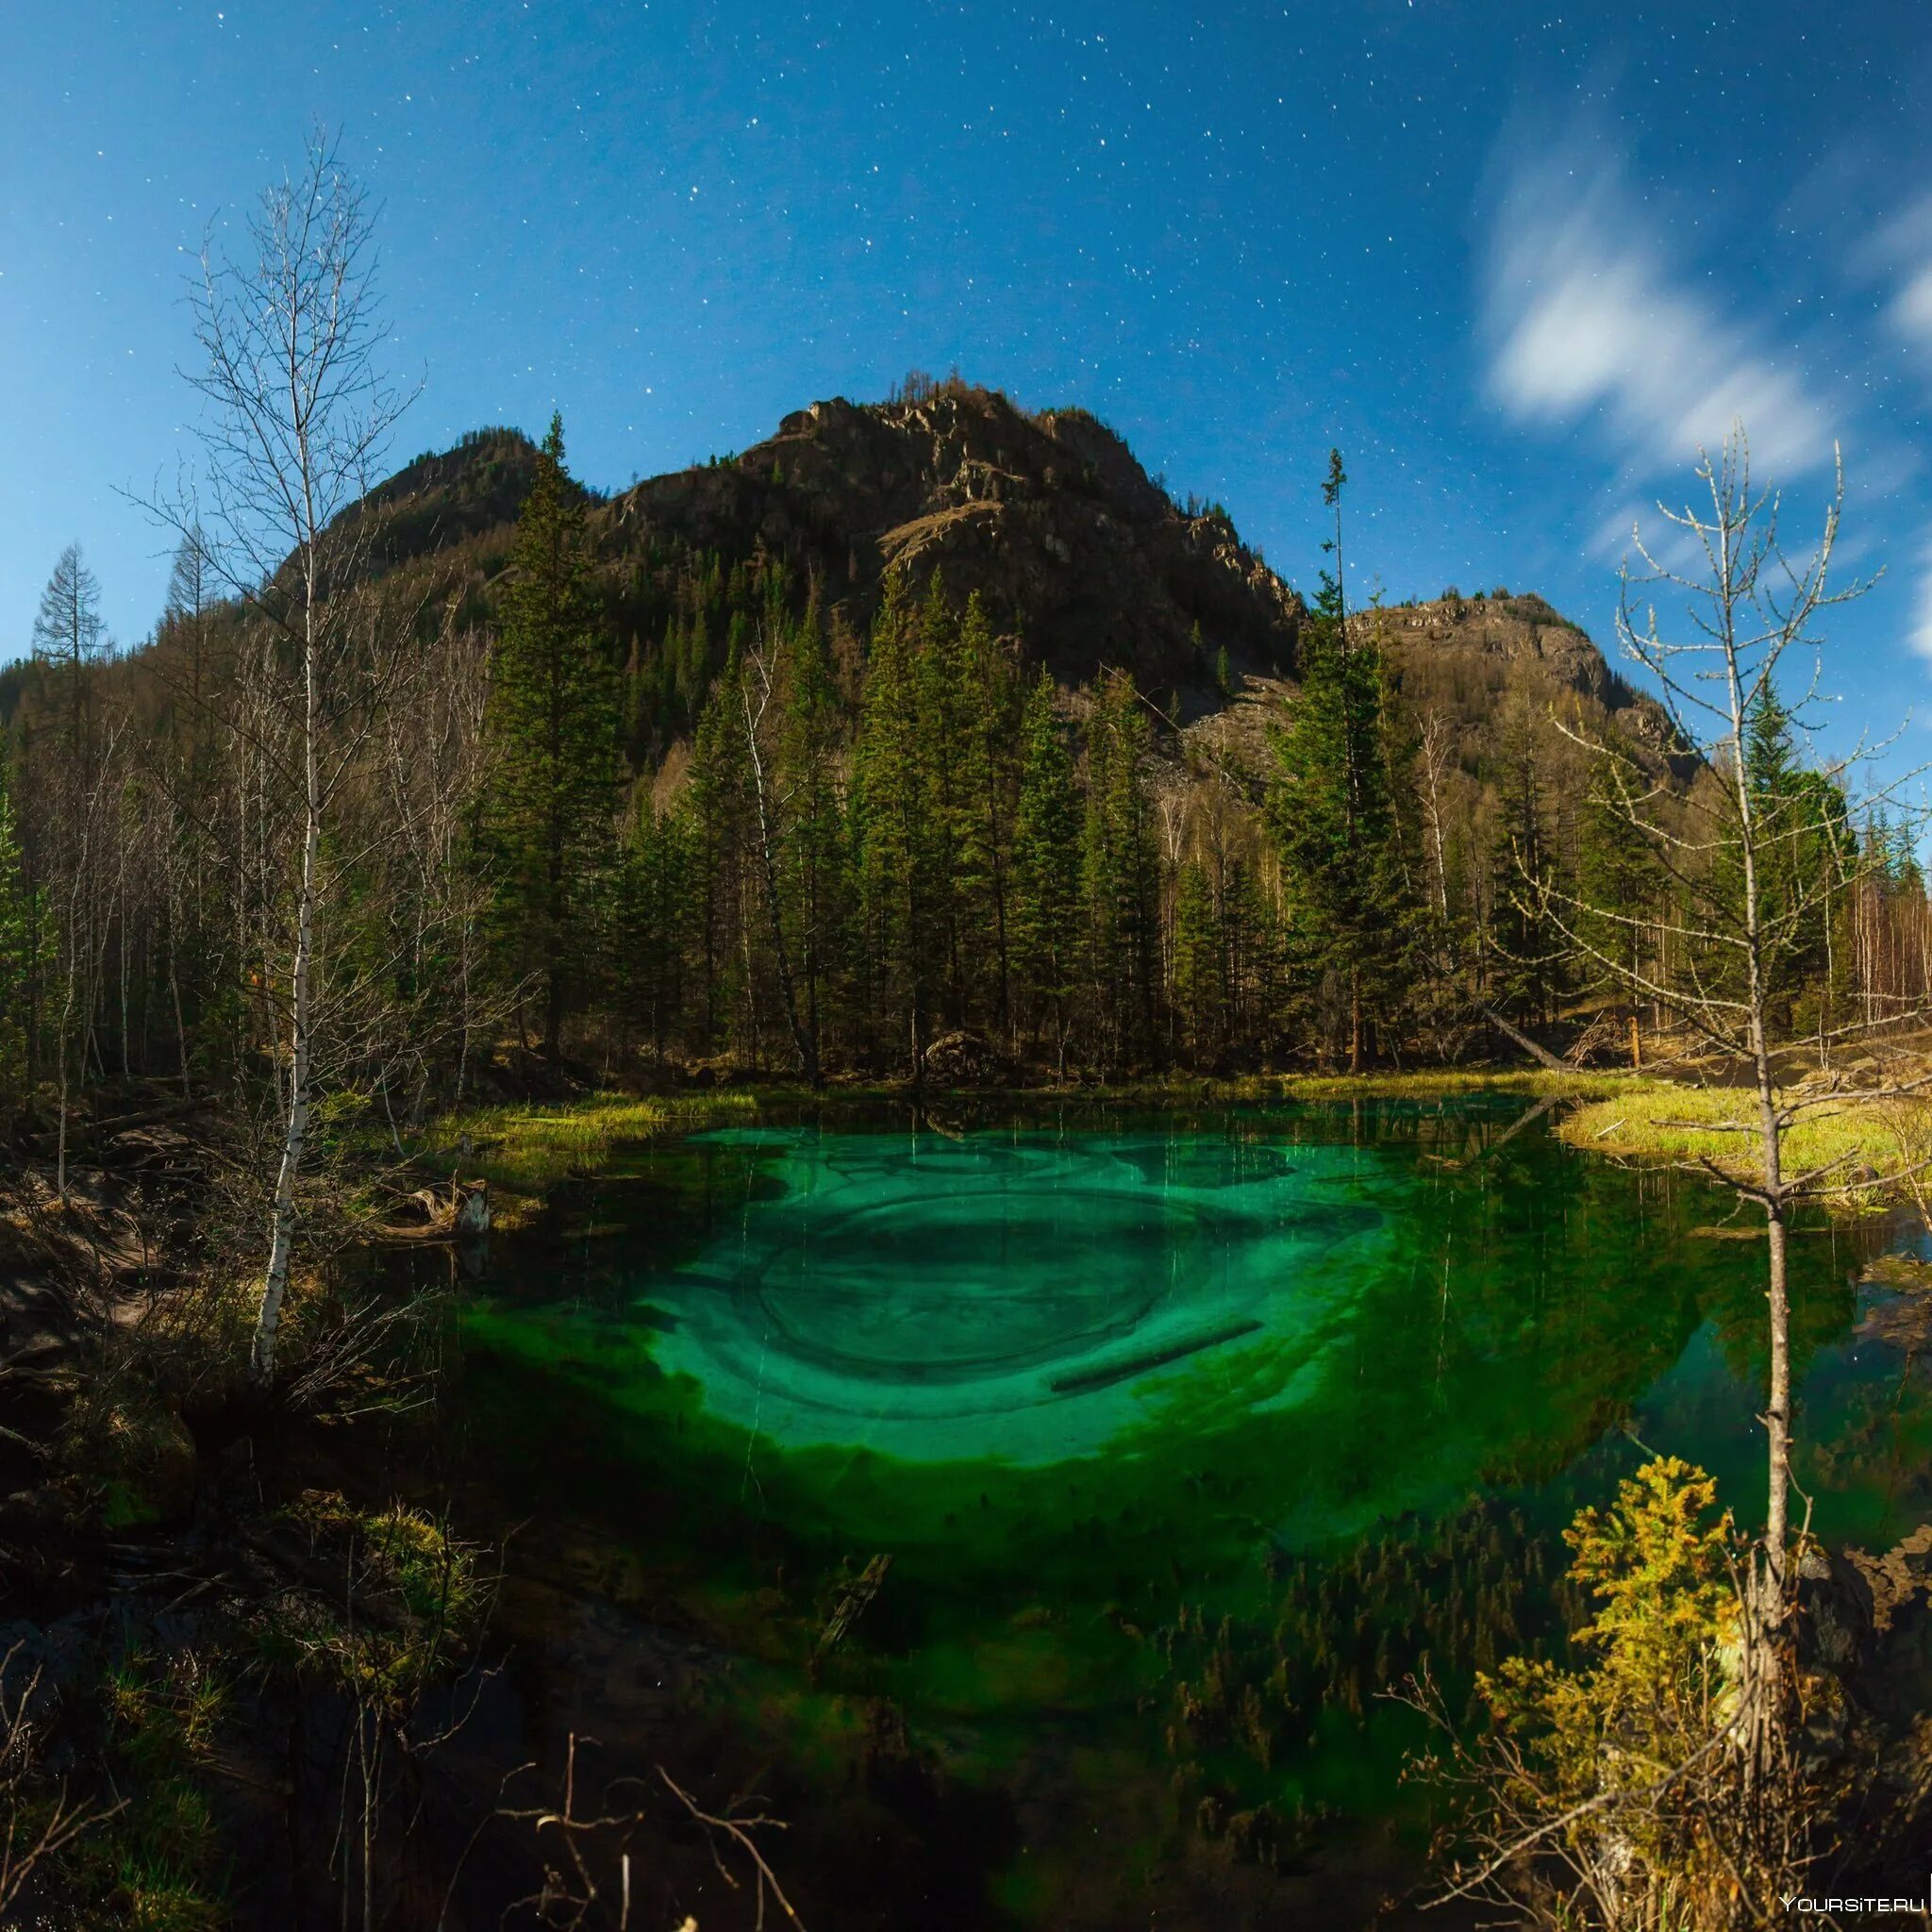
[1082,560]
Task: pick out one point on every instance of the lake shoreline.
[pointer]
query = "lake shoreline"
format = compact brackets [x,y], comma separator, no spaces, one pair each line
[553,1163]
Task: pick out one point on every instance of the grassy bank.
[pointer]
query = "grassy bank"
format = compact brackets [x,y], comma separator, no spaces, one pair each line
[524,1150]
[1863,1142]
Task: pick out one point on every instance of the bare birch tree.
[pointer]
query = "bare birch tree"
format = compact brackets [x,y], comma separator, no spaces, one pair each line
[1751,868]
[755,685]
[299,415]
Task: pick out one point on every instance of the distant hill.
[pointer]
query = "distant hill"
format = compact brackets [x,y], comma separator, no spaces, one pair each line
[1077,552]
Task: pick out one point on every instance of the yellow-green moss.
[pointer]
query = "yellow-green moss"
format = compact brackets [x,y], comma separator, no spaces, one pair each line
[419,1594]
[1862,1141]
[523,1150]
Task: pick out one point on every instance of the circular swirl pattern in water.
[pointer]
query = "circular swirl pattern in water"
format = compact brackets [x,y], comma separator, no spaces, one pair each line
[1026,1298]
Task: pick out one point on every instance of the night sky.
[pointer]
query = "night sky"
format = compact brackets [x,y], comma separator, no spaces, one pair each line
[1515,263]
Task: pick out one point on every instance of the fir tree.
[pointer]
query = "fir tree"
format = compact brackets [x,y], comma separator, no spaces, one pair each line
[1332,810]
[1120,870]
[552,722]
[1046,867]
[905,944]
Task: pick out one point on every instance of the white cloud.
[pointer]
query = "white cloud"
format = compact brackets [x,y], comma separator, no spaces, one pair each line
[1901,251]
[1911,311]
[1920,635]
[1584,314]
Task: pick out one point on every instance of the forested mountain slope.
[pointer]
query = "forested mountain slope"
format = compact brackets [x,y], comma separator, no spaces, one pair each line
[925,718]
[1078,555]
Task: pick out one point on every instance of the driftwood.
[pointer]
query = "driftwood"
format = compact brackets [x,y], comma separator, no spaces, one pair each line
[1542,1055]
[458,1213]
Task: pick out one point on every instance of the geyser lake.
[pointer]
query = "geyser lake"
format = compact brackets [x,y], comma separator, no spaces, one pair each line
[1185,1433]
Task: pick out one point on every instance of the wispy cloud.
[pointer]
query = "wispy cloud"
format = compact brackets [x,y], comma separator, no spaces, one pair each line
[1900,252]
[1587,315]
[1919,632]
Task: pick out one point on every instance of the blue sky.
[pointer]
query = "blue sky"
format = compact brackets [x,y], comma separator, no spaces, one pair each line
[1515,262]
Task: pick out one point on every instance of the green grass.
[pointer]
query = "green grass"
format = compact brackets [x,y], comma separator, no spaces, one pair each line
[154,1865]
[425,1582]
[524,1151]
[1867,1144]
[1438,1082]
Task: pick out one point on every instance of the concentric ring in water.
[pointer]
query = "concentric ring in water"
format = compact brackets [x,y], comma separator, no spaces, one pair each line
[1025,1298]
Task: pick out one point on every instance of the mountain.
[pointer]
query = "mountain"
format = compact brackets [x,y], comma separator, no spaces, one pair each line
[1078,555]
[1048,517]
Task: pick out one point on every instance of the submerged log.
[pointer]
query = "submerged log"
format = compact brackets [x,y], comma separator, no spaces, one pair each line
[851,1606]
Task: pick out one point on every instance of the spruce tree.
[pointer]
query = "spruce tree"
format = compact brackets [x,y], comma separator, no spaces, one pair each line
[1194,974]
[1332,810]
[718,810]
[905,944]
[553,722]
[1046,868]
[818,858]
[650,924]
[987,776]
[1120,869]
[1525,946]
[1622,889]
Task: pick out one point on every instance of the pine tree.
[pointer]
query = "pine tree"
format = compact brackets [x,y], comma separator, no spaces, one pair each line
[1332,810]
[553,721]
[1120,869]
[1046,868]
[905,944]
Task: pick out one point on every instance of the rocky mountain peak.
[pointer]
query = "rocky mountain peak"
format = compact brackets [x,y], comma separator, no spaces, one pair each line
[1049,517]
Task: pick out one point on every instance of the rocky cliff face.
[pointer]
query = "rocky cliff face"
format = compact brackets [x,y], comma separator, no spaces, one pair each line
[1049,518]
[1075,551]
[1469,659]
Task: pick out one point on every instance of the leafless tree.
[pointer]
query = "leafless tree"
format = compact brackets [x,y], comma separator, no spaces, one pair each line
[757,681]
[1737,900]
[299,414]
[69,636]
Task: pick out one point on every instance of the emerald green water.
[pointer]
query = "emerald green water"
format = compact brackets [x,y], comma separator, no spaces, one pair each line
[1185,1435]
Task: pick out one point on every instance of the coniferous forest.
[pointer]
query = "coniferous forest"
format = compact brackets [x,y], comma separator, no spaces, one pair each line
[667,811]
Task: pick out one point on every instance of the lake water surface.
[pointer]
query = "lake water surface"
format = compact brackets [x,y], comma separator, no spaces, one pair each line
[1184,1434]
